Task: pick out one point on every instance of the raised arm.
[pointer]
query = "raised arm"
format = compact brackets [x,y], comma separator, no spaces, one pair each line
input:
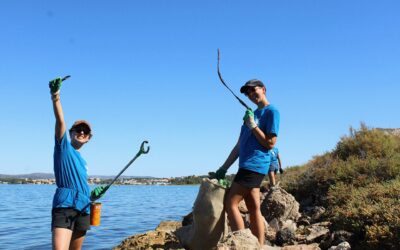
[57,108]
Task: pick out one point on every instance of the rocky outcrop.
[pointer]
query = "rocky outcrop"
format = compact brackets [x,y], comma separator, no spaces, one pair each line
[162,238]
[285,229]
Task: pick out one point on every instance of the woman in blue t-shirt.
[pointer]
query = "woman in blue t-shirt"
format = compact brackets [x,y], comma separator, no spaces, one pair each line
[257,136]
[70,213]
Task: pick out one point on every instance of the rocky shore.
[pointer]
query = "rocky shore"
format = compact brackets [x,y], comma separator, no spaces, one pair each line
[347,196]
[286,228]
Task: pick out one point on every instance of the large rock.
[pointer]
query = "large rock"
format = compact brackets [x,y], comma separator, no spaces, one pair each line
[169,226]
[336,238]
[161,238]
[280,205]
[342,246]
[302,247]
[314,213]
[294,247]
[239,240]
[317,232]
[285,237]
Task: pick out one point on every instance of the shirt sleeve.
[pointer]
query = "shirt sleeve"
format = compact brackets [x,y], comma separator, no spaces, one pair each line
[61,145]
[272,125]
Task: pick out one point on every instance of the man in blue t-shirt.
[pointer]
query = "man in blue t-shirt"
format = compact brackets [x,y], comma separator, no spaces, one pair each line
[275,165]
[70,213]
[257,136]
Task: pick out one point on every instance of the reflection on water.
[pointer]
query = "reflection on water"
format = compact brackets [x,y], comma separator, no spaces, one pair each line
[25,213]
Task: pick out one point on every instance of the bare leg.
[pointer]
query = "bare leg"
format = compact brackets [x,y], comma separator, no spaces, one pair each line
[256,218]
[271,176]
[77,240]
[235,195]
[61,238]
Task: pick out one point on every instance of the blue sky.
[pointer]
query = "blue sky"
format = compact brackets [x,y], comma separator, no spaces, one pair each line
[147,70]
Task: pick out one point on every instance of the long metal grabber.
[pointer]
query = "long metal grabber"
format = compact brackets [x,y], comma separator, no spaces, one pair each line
[223,82]
[142,150]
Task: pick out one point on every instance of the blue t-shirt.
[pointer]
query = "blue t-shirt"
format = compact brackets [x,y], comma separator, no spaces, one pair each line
[252,155]
[274,156]
[71,177]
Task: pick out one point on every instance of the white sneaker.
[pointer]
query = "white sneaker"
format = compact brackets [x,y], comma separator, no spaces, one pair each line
[274,188]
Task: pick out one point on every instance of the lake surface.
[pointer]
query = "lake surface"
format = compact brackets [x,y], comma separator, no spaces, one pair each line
[25,214]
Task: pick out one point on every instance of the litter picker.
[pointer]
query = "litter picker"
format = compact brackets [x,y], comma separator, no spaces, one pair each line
[223,82]
[142,150]
[95,207]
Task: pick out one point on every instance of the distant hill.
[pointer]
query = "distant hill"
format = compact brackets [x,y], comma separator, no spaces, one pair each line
[32,176]
[51,176]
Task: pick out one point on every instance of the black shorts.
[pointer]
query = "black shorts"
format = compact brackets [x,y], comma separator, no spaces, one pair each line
[248,179]
[69,218]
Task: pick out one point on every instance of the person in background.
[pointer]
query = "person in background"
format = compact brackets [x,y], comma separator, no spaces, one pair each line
[70,212]
[258,135]
[275,165]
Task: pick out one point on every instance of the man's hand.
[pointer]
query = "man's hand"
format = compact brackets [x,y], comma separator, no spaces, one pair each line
[249,119]
[55,86]
[281,170]
[97,193]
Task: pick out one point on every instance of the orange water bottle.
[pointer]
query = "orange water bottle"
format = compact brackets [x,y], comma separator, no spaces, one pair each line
[95,213]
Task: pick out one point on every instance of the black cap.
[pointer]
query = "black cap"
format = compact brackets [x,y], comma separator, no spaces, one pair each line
[251,83]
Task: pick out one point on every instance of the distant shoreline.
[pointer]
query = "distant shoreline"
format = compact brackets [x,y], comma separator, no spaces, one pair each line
[48,179]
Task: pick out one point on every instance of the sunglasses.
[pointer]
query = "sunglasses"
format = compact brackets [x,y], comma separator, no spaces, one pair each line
[250,90]
[80,129]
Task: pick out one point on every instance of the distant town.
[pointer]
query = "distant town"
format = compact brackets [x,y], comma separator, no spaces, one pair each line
[48,179]
[95,181]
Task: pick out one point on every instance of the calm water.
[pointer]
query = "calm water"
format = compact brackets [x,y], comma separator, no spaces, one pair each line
[25,213]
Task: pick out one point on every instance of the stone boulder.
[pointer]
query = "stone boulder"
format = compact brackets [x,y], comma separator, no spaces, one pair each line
[161,238]
[317,232]
[302,247]
[239,240]
[280,205]
[342,246]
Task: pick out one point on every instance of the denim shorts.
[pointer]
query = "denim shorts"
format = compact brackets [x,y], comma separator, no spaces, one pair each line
[248,179]
[69,218]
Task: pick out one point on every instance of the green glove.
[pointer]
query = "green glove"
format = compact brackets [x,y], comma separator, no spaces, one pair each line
[247,114]
[97,192]
[55,85]
[220,174]
[249,119]
[224,182]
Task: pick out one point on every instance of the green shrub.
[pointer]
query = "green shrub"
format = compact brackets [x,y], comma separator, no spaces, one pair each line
[371,212]
[366,142]
[359,185]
